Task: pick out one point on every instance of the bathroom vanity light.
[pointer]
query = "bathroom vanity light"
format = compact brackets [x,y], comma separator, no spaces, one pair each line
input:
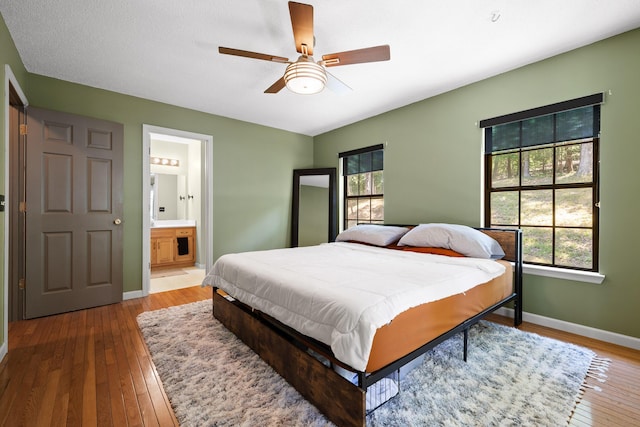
[164,161]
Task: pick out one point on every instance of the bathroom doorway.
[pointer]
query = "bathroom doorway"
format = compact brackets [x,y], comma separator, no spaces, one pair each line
[176,208]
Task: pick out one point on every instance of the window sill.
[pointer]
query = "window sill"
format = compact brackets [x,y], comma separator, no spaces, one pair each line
[564,273]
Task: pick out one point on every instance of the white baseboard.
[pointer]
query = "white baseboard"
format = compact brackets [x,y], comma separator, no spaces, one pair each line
[574,328]
[132,295]
[4,349]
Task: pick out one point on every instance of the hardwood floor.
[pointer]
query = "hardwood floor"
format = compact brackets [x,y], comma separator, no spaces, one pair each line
[86,368]
[91,367]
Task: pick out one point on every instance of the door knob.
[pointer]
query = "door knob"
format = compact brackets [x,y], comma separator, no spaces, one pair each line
[117,221]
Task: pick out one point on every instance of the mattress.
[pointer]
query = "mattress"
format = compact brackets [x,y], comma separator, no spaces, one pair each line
[362,300]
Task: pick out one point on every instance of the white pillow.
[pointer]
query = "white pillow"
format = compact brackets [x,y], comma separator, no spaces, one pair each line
[460,238]
[372,234]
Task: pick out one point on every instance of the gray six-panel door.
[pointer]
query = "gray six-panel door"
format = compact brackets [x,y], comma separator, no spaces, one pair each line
[73,212]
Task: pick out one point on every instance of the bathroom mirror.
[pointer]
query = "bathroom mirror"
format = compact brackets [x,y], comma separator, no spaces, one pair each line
[168,196]
[314,218]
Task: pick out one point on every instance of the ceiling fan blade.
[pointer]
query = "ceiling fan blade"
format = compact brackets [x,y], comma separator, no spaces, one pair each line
[254,55]
[276,87]
[302,23]
[358,56]
[336,85]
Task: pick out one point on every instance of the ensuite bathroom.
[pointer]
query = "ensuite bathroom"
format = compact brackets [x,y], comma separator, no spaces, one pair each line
[175,199]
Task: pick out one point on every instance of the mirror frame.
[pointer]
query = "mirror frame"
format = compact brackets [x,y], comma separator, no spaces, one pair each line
[295,206]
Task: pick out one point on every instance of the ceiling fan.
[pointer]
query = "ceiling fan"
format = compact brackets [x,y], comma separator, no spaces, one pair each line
[305,75]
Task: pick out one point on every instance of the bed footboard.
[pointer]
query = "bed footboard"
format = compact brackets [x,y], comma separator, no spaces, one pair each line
[339,400]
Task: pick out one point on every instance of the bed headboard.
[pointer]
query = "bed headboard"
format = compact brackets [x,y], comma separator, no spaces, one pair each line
[509,239]
[511,242]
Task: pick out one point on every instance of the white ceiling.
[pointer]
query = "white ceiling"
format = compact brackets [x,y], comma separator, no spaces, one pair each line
[166,50]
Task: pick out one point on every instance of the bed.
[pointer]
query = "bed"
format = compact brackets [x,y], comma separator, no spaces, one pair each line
[338,319]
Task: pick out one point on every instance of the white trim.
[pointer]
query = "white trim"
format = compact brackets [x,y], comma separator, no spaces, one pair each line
[574,328]
[207,221]
[132,295]
[9,78]
[482,154]
[564,273]
[340,197]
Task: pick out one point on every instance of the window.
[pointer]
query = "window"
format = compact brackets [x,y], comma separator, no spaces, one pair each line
[541,175]
[363,186]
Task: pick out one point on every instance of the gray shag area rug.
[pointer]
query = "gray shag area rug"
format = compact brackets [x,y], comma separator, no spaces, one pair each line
[511,378]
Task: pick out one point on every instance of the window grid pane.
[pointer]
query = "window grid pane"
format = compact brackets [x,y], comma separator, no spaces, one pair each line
[364,209]
[574,207]
[505,208]
[574,247]
[537,245]
[377,182]
[377,209]
[505,169]
[351,212]
[536,207]
[364,187]
[575,163]
[352,185]
[537,167]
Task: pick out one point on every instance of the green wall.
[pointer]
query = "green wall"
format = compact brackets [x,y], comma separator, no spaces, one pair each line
[433,167]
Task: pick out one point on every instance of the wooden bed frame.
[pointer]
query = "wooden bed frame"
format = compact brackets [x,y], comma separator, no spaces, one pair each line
[287,351]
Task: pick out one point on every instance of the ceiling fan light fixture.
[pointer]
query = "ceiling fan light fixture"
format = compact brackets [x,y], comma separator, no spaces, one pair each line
[305,77]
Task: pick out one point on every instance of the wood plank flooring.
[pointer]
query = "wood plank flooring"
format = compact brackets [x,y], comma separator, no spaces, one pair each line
[92,368]
[87,368]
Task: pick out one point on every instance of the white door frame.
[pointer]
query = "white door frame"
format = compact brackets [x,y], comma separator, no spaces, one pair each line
[207,222]
[9,78]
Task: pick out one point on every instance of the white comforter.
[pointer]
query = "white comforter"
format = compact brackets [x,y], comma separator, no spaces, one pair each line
[341,293]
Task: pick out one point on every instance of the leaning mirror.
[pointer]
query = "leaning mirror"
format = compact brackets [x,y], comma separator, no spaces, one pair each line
[314,208]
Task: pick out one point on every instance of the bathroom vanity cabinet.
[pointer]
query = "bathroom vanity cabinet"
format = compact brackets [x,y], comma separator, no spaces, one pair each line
[173,247]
